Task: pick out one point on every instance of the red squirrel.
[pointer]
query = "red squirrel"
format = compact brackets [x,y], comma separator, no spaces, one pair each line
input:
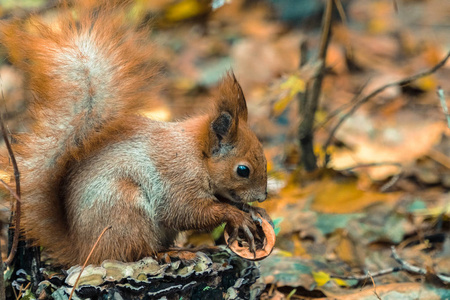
[92,161]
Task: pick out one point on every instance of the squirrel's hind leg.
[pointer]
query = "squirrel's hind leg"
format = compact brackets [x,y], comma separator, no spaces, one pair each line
[133,233]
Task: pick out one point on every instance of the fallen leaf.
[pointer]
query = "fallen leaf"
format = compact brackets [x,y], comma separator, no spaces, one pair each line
[321,277]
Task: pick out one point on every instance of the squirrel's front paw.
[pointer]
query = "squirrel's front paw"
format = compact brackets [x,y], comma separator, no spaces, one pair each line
[253,238]
[244,225]
[257,212]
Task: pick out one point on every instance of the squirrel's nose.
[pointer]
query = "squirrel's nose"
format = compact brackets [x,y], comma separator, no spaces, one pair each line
[262,197]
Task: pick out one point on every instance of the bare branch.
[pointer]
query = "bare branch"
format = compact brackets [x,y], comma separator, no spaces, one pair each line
[374,286]
[11,191]
[388,184]
[375,164]
[416,270]
[341,11]
[16,195]
[368,275]
[404,266]
[343,107]
[391,182]
[401,82]
[394,2]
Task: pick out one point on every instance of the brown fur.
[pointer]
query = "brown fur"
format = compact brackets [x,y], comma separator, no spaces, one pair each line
[91,161]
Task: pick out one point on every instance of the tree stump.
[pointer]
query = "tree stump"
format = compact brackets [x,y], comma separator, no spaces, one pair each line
[217,275]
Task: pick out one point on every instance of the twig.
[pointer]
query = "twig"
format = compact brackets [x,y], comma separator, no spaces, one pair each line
[401,82]
[303,97]
[374,286]
[375,164]
[11,191]
[416,270]
[404,266]
[23,289]
[305,130]
[271,289]
[441,95]
[394,2]
[87,259]
[439,157]
[341,11]
[391,181]
[13,251]
[338,110]
[368,275]
[303,53]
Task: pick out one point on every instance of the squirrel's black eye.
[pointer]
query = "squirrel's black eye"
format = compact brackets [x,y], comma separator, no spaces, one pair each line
[243,171]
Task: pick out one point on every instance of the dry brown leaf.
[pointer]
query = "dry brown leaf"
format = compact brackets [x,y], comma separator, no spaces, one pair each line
[400,139]
[345,197]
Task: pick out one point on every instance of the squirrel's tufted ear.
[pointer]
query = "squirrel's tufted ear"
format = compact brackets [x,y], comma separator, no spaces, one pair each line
[230,109]
[231,98]
[222,125]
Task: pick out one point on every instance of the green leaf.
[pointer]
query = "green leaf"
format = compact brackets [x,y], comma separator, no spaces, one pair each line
[218,231]
[276,225]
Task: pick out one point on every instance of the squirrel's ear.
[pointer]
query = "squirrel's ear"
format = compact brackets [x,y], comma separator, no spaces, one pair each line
[223,134]
[231,98]
[230,109]
[222,125]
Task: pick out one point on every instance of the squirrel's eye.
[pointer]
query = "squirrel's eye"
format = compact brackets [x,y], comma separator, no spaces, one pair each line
[243,171]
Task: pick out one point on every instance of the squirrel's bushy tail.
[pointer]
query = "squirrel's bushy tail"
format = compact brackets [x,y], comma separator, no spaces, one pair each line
[84,71]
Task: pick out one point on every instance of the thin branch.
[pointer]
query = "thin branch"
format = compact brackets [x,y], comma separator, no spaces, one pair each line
[326,33]
[391,182]
[416,270]
[401,82]
[375,164]
[13,251]
[368,275]
[303,97]
[22,289]
[404,266]
[439,157]
[374,286]
[11,191]
[441,95]
[341,11]
[87,259]
[388,184]
[338,110]
[394,2]
[303,53]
